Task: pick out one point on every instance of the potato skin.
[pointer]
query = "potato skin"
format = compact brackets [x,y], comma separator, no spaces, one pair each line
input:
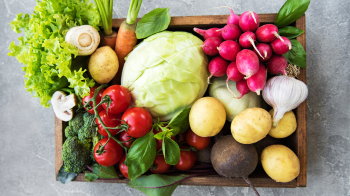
[286,126]
[280,163]
[251,125]
[207,117]
[103,65]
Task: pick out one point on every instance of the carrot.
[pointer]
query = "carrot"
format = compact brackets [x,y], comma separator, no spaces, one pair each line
[109,40]
[105,7]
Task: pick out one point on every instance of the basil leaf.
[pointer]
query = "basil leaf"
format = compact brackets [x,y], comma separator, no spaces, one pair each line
[181,120]
[90,177]
[65,177]
[157,184]
[297,55]
[291,11]
[290,32]
[153,22]
[141,155]
[171,151]
[161,135]
[104,172]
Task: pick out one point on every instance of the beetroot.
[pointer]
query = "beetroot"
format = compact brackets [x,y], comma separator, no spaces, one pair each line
[230,32]
[265,50]
[208,33]
[210,46]
[233,18]
[229,49]
[242,88]
[217,67]
[233,74]
[267,33]
[281,47]
[247,62]
[277,65]
[249,21]
[257,82]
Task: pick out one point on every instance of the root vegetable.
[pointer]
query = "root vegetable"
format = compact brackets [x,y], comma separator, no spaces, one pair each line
[210,46]
[208,33]
[267,33]
[286,126]
[233,18]
[249,21]
[257,82]
[265,50]
[229,50]
[242,88]
[233,74]
[247,39]
[217,67]
[247,63]
[277,64]
[281,46]
[230,32]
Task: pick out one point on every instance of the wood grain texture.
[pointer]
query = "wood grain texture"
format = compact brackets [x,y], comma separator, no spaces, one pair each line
[59,130]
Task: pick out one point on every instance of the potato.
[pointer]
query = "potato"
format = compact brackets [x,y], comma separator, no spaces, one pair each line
[286,126]
[280,163]
[103,65]
[207,117]
[251,125]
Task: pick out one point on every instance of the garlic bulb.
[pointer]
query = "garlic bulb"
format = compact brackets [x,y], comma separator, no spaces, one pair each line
[86,38]
[284,94]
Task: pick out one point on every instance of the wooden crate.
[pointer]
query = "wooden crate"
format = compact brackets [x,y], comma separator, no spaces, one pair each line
[297,141]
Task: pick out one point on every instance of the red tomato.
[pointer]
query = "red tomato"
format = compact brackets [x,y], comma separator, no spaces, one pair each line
[187,159]
[197,141]
[120,99]
[161,165]
[112,154]
[139,121]
[181,137]
[124,136]
[98,100]
[123,168]
[160,142]
[110,120]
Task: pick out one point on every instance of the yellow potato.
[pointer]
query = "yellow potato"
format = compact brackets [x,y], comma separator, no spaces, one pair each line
[207,117]
[280,163]
[103,65]
[251,125]
[285,127]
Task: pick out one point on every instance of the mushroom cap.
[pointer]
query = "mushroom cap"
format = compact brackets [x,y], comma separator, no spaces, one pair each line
[62,105]
[86,38]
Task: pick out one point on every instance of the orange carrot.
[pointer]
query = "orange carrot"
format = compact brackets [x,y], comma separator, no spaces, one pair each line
[105,7]
[109,40]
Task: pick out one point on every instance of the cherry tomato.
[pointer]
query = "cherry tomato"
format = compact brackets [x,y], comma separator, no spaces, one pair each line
[111,155]
[187,159]
[120,99]
[123,168]
[139,121]
[110,120]
[197,141]
[98,100]
[160,142]
[124,136]
[161,165]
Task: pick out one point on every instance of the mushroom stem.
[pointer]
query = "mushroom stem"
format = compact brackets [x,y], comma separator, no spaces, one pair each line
[68,102]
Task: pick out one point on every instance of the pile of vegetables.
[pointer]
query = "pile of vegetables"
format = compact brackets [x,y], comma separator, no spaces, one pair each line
[139,111]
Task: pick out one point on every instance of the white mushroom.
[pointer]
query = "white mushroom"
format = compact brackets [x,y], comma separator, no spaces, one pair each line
[86,38]
[62,105]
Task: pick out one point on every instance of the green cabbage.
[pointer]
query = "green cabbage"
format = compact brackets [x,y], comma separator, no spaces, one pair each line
[47,58]
[166,73]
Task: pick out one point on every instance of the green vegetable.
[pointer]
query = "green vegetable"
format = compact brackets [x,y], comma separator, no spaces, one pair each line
[297,55]
[65,177]
[153,22]
[290,32]
[74,155]
[291,11]
[171,151]
[105,8]
[166,73]
[181,121]
[47,58]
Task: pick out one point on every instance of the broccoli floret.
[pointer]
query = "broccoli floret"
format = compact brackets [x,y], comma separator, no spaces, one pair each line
[70,132]
[88,119]
[78,121]
[75,156]
[86,132]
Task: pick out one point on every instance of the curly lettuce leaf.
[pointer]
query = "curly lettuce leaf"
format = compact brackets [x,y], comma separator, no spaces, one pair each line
[47,58]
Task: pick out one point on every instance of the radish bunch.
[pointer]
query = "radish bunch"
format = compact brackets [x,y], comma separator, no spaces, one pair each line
[244,50]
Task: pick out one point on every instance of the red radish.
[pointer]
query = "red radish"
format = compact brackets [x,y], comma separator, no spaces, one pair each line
[217,67]
[230,32]
[281,47]
[265,50]
[210,46]
[242,88]
[233,74]
[247,63]
[249,21]
[247,40]
[267,33]
[277,65]
[229,49]
[257,82]
[233,18]
[208,33]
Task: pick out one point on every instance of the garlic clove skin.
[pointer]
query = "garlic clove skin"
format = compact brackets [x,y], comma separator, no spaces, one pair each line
[86,38]
[284,94]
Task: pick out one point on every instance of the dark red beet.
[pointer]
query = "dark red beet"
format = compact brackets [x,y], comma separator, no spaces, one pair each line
[217,67]
[229,50]
[267,33]
[257,82]
[265,50]
[247,62]
[277,65]
[210,46]
[231,32]
[249,21]
[281,47]
[209,33]
[242,88]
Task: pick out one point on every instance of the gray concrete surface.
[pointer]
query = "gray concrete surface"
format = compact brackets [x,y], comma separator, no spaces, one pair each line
[27,129]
